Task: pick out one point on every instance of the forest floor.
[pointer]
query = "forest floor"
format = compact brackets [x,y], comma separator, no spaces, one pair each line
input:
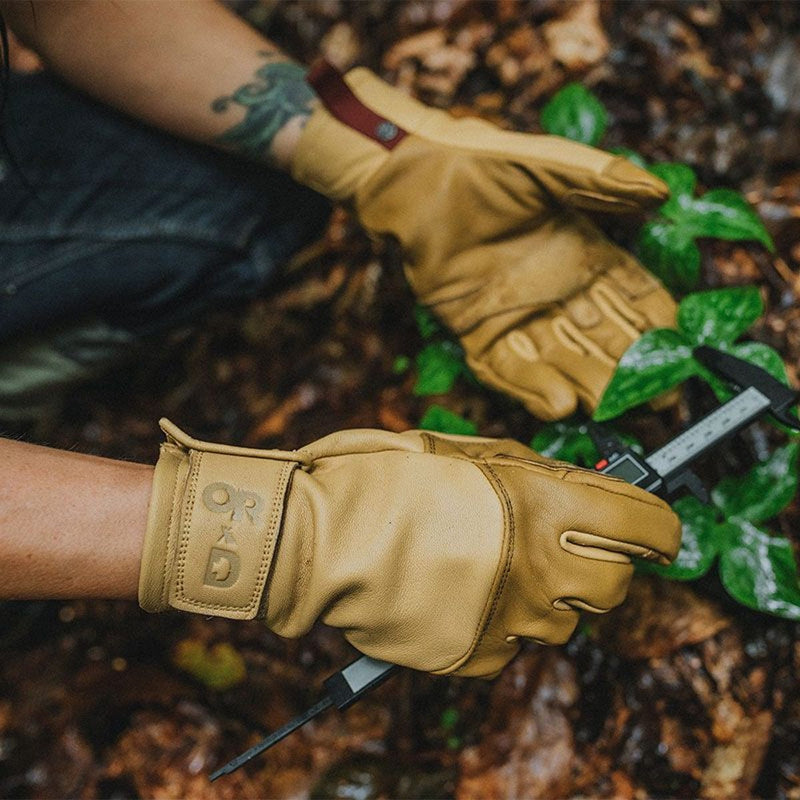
[681,693]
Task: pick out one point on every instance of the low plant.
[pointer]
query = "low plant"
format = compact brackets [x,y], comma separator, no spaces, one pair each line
[756,567]
[668,243]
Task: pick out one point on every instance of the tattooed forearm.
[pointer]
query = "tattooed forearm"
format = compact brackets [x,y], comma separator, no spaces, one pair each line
[279,96]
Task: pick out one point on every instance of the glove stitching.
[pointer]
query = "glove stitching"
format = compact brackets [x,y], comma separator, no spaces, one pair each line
[196,458]
[510,526]
[274,518]
[430,443]
[168,561]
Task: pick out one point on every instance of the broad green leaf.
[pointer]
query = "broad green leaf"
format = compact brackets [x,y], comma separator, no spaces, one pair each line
[698,547]
[438,418]
[670,253]
[631,155]
[656,362]
[575,113]
[763,491]
[725,214]
[438,365]
[670,249]
[427,324]
[764,356]
[681,181]
[719,316]
[566,442]
[758,569]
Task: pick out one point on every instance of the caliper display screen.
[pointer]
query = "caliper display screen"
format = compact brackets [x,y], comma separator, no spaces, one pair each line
[627,469]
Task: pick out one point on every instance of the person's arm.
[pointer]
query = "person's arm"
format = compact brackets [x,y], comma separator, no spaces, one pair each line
[71,525]
[192,68]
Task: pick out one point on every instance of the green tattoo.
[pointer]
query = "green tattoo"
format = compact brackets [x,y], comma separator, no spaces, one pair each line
[279,94]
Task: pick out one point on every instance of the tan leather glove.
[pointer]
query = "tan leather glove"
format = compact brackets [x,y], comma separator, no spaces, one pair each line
[435,552]
[492,235]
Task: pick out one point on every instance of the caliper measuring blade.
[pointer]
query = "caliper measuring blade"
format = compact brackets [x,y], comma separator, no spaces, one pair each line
[343,688]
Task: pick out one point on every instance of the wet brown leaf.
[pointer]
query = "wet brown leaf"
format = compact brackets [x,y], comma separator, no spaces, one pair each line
[658,618]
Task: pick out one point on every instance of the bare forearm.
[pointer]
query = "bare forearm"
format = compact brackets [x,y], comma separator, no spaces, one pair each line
[191,68]
[71,525]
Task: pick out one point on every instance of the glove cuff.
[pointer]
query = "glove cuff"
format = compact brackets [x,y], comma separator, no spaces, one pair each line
[350,135]
[214,520]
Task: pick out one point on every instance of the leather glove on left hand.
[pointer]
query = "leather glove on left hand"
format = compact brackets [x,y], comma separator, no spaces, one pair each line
[429,551]
[492,234]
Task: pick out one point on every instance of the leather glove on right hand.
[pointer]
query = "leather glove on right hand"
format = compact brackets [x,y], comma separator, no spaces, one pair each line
[430,551]
[492,233]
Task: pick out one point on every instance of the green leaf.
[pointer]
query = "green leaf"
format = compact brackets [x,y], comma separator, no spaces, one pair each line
[631,155]
[438,418]
[449,718]
[656,362]
[763,491]
[401,364]
[566,442]
[576,113]
[725,214]
[218,667]
[427,324]
[669,251]
[438,365]
[698,547]
[764,356]
[570,441]
[758,569]
[682,183]
[719,316]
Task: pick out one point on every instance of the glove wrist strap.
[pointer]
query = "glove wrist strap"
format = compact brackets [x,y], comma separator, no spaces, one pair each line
[214,521]
[341,103]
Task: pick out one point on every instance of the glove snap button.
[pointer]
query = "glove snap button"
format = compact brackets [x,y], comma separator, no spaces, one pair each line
[386,131]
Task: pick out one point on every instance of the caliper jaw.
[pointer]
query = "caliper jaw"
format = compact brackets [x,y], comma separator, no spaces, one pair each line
[742,374]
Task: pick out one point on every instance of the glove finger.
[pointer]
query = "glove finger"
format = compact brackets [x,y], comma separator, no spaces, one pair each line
[579,359]
[592,180]
[513,366]
[626,521]
[554,628]
[599,518]
[642,292]
[604,318]
[586,585]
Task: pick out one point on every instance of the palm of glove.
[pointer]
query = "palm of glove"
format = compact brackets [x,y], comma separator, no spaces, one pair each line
[493,241]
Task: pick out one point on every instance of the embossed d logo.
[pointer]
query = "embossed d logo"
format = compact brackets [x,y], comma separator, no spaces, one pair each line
[222,569]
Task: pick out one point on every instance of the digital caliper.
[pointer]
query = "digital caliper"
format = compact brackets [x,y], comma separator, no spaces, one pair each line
[664,472]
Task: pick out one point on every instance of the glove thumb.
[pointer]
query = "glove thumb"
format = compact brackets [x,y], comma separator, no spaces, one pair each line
[591,180]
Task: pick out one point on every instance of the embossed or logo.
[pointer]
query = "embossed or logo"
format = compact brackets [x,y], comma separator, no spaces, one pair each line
[222,498]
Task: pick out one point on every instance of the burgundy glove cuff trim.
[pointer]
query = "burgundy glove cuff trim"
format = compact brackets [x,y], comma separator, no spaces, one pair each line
[339,100]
